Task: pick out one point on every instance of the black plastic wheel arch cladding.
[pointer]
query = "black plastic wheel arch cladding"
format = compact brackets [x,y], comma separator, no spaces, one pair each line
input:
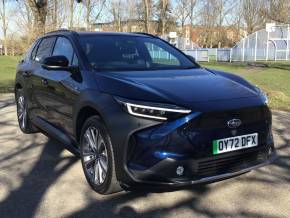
[119,124]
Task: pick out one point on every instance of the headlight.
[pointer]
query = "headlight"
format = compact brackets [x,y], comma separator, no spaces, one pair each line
[152,110]
[263,95]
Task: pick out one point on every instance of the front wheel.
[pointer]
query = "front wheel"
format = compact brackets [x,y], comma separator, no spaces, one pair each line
[97,157]
[22,113]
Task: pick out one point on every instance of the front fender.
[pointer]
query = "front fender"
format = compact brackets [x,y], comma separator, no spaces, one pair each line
[120,125]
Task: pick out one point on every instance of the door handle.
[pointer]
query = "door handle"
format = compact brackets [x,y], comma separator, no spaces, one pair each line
[44,82]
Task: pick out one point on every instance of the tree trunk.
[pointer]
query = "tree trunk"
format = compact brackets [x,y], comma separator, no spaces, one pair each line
[39,11]
[163,16]
[4,24]
[71,18]
[192,5]
[55,17]
[88,14]
[119,24]
[182,28]
[146,15]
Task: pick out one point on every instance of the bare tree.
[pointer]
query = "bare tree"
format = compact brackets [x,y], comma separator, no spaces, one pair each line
[55,14]
[25,18]
[213,18]
[192,5]
[116,11]
[223,8]
[208,18]
[131,13]
[3,16]
[251,13]
[276,10]
[89,8]
[236,21]
[39,11]
[24,23]
[182,13]
[93,9]
[146,9]
[71,14]
[164,14]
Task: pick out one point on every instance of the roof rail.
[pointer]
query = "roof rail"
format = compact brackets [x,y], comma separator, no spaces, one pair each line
[61,30]
[146,34]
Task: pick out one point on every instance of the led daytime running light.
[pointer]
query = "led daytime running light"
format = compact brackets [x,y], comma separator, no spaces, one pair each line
[130,108]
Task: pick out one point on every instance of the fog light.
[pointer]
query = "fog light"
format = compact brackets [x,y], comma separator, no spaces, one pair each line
[179,170]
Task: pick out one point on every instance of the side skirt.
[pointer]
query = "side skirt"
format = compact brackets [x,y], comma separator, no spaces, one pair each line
[57,134]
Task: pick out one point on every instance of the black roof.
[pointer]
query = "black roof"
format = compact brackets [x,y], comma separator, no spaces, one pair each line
[81,33]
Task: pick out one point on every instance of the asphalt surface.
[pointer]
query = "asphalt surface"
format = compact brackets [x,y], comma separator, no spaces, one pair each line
[39,178]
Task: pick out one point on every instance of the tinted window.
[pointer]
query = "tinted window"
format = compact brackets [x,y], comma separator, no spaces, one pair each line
[64,47]
[75,61]
[31,55]
[160,55]
[132,53]
[44,49]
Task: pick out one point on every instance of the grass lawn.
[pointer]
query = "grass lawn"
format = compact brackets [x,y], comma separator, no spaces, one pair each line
[7,72]
[272,77]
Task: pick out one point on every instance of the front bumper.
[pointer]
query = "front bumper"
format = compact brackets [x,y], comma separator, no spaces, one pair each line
[144,178]
[156,153]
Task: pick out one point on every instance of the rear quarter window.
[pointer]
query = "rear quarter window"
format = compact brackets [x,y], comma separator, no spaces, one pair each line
[30,55]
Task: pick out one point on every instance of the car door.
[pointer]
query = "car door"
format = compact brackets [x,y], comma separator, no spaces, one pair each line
[24,69]
[63,86]
[39,95]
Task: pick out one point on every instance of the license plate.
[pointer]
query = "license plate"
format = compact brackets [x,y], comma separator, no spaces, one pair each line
[235,143]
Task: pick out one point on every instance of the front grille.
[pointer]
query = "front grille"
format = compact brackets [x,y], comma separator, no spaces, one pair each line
[227,164]
[212,120]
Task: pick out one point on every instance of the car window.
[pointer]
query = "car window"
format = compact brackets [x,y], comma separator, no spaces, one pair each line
[64,47]
[75,61]
[160,55]
[44,49]
[117,53]
[30,55]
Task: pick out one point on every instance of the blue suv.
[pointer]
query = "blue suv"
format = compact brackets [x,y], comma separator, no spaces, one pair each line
[139,112]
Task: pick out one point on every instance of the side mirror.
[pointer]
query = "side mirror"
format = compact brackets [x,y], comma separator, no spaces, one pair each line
[55,62]
[191,58]
[60,63]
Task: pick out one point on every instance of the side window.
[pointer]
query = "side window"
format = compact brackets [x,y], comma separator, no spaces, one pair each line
[33,53]
[44,49]
[64,47]
[161,56]
[75,61]
[30,54]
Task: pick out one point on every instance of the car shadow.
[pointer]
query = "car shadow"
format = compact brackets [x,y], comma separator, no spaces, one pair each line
[23,201]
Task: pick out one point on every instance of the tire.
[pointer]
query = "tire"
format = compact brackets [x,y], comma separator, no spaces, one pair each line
[97,157]
[22,114]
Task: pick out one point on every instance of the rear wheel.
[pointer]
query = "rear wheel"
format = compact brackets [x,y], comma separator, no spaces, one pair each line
[22,114]
[97,157]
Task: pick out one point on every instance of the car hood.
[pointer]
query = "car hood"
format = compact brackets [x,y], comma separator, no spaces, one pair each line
[181,87]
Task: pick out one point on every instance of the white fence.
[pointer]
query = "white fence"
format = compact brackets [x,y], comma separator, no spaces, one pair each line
[211,54]
[237,54]
[270,44]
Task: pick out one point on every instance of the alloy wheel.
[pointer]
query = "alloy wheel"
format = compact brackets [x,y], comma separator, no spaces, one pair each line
[21,111]
[95,156]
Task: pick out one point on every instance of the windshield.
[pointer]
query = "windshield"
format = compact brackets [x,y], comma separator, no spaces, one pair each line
[115,53]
